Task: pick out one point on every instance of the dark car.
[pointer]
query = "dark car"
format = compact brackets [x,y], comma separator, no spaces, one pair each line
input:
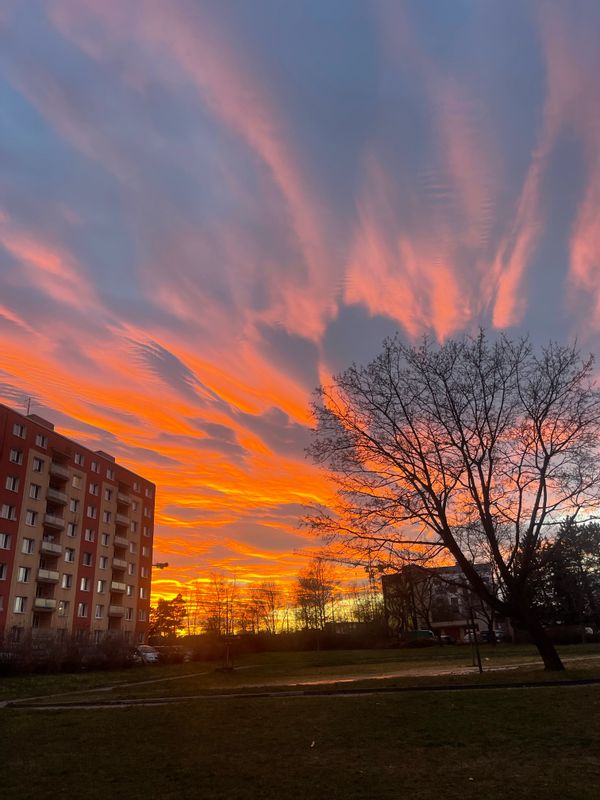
[444,638]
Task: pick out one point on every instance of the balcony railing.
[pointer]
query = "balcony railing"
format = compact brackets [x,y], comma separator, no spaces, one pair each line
[51,521]
[117,586]
[119,563]
[44,604]
[57,497]
[47,576]
[59,471]
[121,541]
[50,548]
[121,519]
[116,611]
[123,498]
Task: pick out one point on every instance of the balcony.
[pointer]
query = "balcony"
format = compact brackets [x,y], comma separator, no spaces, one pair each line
[60,498]
[119,563]
[47,576]
[44,604]
[116,611]
[121,541]
[50,548]
[50,521]
[58,471]
[117,586]
[121,519]
[123,499]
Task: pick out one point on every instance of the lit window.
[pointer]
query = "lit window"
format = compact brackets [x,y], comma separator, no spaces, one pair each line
[19,430]
[12,483]
[41,441]
[28,546]
[62,609]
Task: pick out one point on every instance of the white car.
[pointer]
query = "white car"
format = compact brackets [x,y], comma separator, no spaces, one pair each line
[147,654]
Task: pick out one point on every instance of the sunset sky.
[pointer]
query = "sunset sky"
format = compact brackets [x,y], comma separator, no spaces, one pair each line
[207,208]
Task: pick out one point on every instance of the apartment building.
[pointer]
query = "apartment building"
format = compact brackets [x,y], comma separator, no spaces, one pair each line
[76,532]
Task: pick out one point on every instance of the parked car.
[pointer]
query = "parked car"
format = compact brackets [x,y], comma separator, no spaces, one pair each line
[147,654]
[444,638]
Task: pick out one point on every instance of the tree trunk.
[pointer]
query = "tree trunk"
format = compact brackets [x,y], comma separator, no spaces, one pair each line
[546,649]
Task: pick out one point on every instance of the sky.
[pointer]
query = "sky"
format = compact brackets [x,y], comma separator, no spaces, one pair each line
[209,208]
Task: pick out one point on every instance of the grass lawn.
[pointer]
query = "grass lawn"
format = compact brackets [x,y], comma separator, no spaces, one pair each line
[521,743]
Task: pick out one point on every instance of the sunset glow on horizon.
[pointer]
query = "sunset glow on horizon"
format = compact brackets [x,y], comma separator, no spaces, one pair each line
[208,209]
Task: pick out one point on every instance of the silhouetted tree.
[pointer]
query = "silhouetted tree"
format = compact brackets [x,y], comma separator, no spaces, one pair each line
[472,448]
[315,594]
[167,618]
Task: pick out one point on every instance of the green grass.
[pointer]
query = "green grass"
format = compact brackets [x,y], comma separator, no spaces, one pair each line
[524,744]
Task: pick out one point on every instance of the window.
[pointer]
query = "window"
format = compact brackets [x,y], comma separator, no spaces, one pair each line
[93,489]
[129,613]
[145,572]
[28,546]
[67,581]
[134,505]
[78,459]
[145,552]
[31,518]
[148,492]
[8,512]
[99,612]
[131,569]
[20,605]
[82,609]
[38,465]
[136,486]
[19,430]
[35,491]
[12,483]
[95,466]
[92,512]
[69,555]
[143,593]
[62,609]
[3,571]
[133,527]
[108,494]
[147,512]
[84,584]
[16,456]
[101,587]
[23,574]
[90,535]
[110,474]
[143,615]
[41,441]
[73,505]
[72,529]
[87,559]
[129,591]
[103,563]
[4,541]
[106,516]
[132,547]
[105,539]
[146,530]
[76,482]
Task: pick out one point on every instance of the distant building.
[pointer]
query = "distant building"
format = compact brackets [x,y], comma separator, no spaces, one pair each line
[76,532]
[436,599]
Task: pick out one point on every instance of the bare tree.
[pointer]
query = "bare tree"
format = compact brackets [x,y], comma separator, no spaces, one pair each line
[315,595]
[472,449]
